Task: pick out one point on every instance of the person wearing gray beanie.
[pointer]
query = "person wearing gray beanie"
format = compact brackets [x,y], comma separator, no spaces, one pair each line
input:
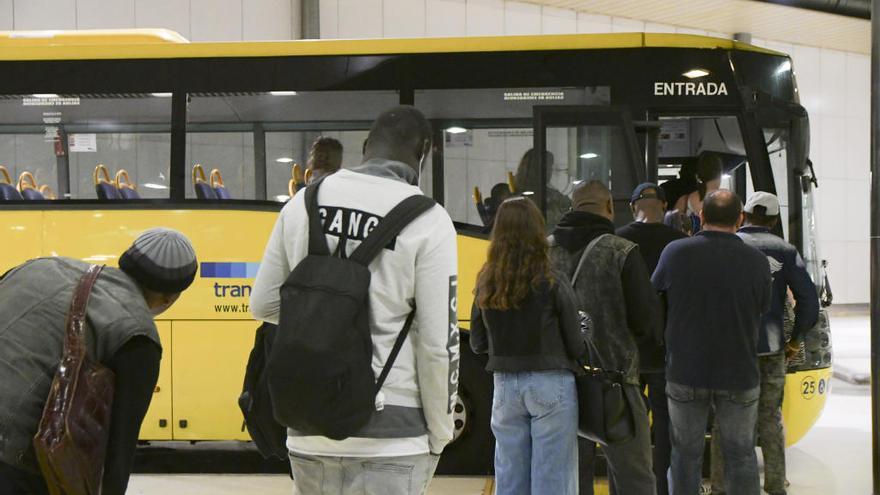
[34,300]
[163,263]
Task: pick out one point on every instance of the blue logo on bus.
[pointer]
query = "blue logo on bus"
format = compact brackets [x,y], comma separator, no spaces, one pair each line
[229,269]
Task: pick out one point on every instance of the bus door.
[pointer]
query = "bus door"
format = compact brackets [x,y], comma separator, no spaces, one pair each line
[686,139]
[582,143]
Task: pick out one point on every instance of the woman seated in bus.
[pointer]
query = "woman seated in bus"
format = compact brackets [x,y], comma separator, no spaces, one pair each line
[524,316]
[709,169]
[528,181]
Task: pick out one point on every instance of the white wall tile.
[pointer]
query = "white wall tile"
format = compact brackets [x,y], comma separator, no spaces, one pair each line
[858,84]
[45,14]
[267,20]
[857,147]
[446,17]
[558,21]
[805,61]
[832,67]
[403,18]
[684,30]
[168,14]
[653,27]
[830,205]
[328,14]
[858,207]
[7,21]
[858,271]
[522,18]
[589,23]
[360,19]
[216,20]
[485,17]
[832,155]
[624,25]
[104,14]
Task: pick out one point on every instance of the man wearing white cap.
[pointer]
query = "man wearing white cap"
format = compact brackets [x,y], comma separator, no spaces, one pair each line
[788,271]
[121,334]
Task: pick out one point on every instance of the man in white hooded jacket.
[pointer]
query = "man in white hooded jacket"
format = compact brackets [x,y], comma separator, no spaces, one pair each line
[398,450]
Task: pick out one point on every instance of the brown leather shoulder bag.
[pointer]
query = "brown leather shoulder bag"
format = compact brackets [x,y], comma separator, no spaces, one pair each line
[71,442]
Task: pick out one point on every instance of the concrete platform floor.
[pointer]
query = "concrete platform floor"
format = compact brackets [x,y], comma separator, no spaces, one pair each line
[833,459]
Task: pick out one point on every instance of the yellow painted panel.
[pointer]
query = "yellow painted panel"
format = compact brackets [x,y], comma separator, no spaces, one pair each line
[159,413]
[20,237]
[102,50]
[209,361]
[219,236]
[471,256]
[805,395]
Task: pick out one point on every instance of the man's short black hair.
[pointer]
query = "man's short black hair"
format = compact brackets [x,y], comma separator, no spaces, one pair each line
[760,217]
[403,126]
[722,207]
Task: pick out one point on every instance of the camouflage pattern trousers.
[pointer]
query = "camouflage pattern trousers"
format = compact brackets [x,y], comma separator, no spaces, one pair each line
[771,435]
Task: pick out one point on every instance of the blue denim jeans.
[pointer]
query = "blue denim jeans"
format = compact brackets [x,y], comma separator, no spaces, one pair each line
[534,419]
[736,412]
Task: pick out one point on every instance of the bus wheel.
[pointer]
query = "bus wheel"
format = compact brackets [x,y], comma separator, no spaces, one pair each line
[472,449]
[460,417]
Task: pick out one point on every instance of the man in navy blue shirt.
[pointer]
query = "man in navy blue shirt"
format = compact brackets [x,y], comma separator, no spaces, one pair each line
[716,289]
[787,267]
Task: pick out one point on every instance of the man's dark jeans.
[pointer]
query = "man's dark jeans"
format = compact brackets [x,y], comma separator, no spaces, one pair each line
[656,383]
[629,463]
[736,412]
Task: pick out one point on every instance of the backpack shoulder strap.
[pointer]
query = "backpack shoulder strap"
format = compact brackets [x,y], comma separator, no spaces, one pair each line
[398,343]
[317,241]
[396,220]
[590,246]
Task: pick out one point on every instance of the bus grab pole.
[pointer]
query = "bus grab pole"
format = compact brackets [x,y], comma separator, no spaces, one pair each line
[875,242]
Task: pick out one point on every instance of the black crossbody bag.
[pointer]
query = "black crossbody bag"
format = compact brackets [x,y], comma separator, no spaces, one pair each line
[604,413]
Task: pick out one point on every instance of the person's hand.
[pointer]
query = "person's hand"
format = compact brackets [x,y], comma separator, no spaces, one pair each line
[792,350]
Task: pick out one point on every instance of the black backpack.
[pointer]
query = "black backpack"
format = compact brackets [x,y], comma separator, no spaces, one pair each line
[256,405]
[320,372]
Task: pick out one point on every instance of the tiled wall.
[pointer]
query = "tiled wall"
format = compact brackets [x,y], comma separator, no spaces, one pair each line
[834,88]
[834,85]
[198,20]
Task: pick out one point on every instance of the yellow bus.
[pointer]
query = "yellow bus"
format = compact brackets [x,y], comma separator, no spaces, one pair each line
[101,133]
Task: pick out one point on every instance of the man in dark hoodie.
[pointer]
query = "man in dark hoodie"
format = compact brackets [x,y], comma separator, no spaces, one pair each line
[614,288]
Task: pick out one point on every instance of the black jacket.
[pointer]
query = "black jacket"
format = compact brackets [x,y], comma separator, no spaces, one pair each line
[542,334]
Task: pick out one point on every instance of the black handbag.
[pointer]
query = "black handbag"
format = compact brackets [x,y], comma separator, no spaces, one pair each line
[604,413]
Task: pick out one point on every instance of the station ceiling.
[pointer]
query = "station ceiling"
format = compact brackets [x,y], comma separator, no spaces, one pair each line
[763,20]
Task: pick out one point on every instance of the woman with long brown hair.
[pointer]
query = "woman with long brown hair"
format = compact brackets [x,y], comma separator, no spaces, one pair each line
[525,318]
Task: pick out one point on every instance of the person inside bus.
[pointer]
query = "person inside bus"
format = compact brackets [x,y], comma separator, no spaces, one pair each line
[34,300]
[489,209]
[648,205]
[528,180]
[716,288]
[525,317]
[789,273]
[398,451]
[709,170]
[325,158]
[681,186]
[614,288]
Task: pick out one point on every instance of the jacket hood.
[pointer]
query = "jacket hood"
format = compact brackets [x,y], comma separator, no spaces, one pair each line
[578,228]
